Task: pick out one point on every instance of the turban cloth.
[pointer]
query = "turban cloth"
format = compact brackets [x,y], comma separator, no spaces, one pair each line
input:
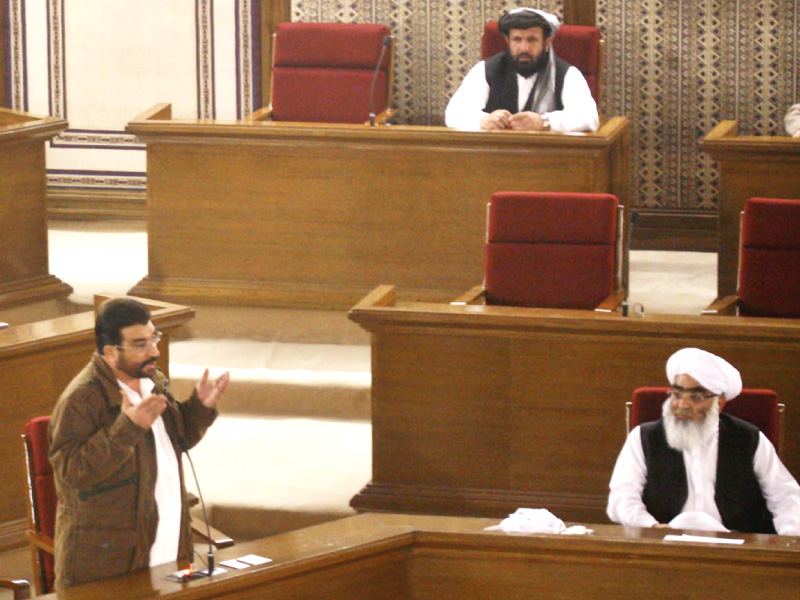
[712,372]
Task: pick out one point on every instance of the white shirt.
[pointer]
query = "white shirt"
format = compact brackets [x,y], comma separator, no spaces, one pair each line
[465,109]
[780,489]
[168,485]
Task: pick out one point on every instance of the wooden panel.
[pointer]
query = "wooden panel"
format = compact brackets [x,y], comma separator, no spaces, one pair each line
[315,215]
[398,557]
[24,268]
[480,410]
[749,166]
[272,13]
[37,361]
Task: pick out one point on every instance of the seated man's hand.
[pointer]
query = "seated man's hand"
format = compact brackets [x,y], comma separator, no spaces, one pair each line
[527,121]
[498,119]
[796,134]
[146,412]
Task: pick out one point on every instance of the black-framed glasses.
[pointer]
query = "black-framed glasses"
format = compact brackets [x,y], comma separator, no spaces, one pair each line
[142,345]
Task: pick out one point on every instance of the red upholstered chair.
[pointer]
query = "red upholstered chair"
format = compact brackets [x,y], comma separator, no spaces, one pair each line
[759,407]
[769,262]
[579,45]
[323,72]
[552,250]
[41,503]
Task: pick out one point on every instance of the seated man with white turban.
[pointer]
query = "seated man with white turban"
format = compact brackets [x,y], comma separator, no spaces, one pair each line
[697,468]
[526,87]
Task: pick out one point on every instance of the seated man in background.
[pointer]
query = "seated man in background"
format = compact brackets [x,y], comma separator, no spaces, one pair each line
[792,121]
[116,437]
[699,462]
[526,87]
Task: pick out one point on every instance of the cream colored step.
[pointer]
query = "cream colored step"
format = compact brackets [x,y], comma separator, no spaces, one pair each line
[266,475]
[278,379]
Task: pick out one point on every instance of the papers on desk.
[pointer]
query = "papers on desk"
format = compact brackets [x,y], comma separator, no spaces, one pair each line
[537,520]
[245,561]
[701,539]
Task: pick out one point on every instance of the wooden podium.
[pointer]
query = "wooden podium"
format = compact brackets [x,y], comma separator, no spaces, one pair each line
[315,215]
[480,410]
[24,268]
[404,557]
[749,166]
[37,361]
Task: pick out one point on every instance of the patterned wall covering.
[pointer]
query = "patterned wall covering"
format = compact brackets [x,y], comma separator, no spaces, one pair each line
[99,63]
[675,68]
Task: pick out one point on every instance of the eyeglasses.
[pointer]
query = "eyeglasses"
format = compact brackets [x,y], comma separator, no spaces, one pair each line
[694,396]
[142,345]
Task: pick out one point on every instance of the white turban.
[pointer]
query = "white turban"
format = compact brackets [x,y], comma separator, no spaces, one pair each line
[551,19]
[712,372]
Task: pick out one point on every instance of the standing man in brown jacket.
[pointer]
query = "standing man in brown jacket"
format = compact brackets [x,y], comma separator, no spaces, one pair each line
[116,435]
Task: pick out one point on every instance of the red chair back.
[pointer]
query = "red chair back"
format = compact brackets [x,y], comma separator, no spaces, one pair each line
[322,72]
[42,496]
[579,45]
[759,407]
[551,249]
[769,264]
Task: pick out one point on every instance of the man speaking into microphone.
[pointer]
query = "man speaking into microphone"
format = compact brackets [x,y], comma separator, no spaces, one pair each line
[115,443]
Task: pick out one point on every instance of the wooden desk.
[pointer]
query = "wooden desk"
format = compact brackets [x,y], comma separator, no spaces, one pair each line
[748,166]
[401,557]
[24,268]
[37,361]
[316,215]
[479,410]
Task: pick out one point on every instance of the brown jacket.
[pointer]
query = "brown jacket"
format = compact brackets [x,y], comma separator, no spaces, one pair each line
[105,474]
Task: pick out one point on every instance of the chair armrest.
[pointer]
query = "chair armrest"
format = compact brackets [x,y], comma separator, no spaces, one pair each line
[612,303]
[20,587]
[727,306]
[262,114]
[41,541]
[471,296]
[218,539]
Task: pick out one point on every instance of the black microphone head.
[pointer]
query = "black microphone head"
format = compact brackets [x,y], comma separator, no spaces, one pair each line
[387,40]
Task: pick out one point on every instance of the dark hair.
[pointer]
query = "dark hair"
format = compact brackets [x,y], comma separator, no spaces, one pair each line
[113,316]
[524,19]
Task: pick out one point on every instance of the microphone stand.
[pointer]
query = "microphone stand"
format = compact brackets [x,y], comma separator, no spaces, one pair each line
[183,446]
[387,40]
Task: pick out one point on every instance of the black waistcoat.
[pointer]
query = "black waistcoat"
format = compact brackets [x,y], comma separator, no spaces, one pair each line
[737,493]
[502,79]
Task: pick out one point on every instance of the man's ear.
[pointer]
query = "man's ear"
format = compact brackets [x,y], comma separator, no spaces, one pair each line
[110,353]
[722,402]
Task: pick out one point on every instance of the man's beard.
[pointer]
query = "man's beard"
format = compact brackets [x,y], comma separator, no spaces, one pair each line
[135,370]
[528,68]
[685,434]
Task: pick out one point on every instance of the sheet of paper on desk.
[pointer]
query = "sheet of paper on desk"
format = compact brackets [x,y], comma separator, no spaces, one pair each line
[701,539]
[254,559]
[234,564]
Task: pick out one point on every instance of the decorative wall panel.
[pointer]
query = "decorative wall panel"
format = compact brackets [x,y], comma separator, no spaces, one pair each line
[99,63]
[674,68]
[678,68]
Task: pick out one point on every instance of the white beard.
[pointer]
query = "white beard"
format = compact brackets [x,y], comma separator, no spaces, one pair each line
[683,434]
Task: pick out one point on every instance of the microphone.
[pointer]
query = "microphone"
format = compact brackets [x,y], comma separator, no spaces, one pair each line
[625,274]
[183,446]
[387,41]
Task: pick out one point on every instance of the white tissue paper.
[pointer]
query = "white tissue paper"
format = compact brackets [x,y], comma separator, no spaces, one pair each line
[694,519]
[537,520]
